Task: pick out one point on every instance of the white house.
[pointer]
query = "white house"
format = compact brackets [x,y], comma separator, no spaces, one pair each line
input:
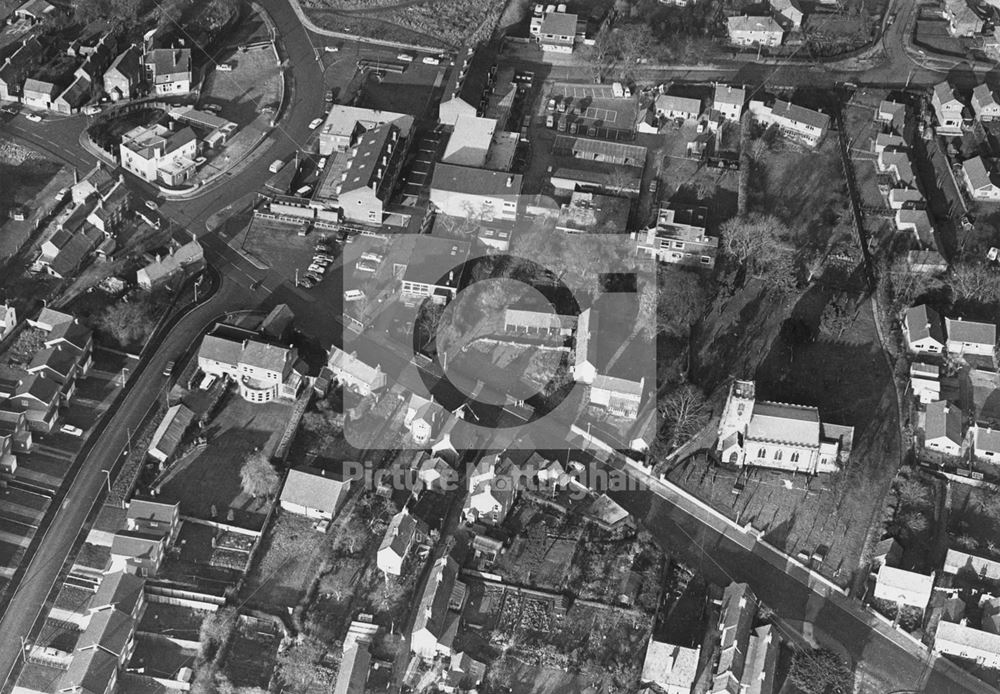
[492,492]
[263,371]
[956,562]
[943,428]
[947,108]
[8,320]
[887,141]
[962,641]
[729,101]
[986,444]
[970,337]
[558,32]
[477,194]
[903,587]
[796,122]
[752,31]
[891,113]
[156,153]
[354,373]
[984,103]
[779,435]
[788,13]
[670,106]
[437,613]
[403,532]
[673,669]
[315,493]
[168,70]
[979,181]
[922,330]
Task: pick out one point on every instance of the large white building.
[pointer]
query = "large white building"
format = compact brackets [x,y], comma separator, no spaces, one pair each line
[796,122]
[754,31]
[157,154]
[962,641]
[263,371]
[779,435]
[344,126]
[476,194]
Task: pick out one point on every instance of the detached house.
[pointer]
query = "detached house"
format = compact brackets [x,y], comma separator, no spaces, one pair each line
[168,70]
[922,330]
[437,613]
[557,32]
[986,444]
[123,78]
[156,153]
[943,430]
[315,493]
[779,435]
[796,122]
[729,101]
[984,103]
[970,337]
[264,372]
[492,492]
[947,108]
[403,532]
[903,587]
[679,238]
[892,114]
[670,106]
[355,374]
[672,669]
[754,31]
[978,180]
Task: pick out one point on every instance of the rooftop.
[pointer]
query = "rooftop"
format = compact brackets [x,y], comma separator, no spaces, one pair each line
[472,181]
[313,488]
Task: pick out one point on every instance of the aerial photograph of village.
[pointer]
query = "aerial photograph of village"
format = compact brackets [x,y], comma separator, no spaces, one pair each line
[499,346]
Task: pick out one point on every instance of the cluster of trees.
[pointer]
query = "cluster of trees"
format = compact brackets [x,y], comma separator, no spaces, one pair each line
[915,504]
[258,477]
[683,413]
[758,244]
[966,282]
[130,323]
[820,671]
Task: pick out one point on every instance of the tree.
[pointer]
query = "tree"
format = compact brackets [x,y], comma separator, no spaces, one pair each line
[681,300]
[215,630]
[914,521]
[26,344]
[967,542]
[427,323]
[685,412]
[912,493]
[975,282]
[749,240]
[778,272]
[602,53]
[300,665]
[635,42]
[838,314]
[127,323]
[257,476]
[991,507]
[820,671]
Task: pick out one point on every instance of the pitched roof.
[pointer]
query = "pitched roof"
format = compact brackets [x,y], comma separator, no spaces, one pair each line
[355,664]
[134,544]
[975,171]
[670,666]
[128,63]
[152,511]
[464,179]
[923,322]
[776,421]
[559,23]
[943,421]
[400,533]
[43,389]
[59,361]
[109,630]
[944,93]
[342,362]
[432,610]
[121,590]
[982,96]
[746,23]
[956,561]
[800,114]
[987,439]
[971,332]
[90,671]
[618,386]
[310,488]
[966,637]
[364,168]
[263,355]
[220,349]
[762,659]
[168,61]
[669,102]
[897,582]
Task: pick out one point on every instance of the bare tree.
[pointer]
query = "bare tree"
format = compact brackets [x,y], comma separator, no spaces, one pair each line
[975,282]
[300,666]
[635,42]
[685,412]
[602,56]
[912,493]
[257,476]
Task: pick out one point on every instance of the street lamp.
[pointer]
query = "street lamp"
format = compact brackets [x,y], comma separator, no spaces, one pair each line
[107,478]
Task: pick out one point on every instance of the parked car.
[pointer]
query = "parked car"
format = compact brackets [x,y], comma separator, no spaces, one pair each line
[315,277]
[331,49]
[307,282]
[71,430]
[151,204]
[354,295]
[169,368]
[431,60]
[61,194]
[551,106]
[213,108]
[225,67]
[315,123]
[34,117]
[91,110]
[329,97]
[276,165]
[653,186]
[318,269]
[405,57]
[322,163]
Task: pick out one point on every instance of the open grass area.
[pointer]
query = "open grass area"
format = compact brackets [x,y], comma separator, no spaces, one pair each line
[253,84]
[286,562]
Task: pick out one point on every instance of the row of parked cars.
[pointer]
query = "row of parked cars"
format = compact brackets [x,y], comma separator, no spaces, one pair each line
[322,259]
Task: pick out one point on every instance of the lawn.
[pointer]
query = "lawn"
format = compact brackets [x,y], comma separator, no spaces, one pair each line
[25,174]
[210,480]
[253,85]
[286,563]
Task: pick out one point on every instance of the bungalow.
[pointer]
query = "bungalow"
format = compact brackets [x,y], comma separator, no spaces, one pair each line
[979,181]
[962,641]
[916,222]
[354,373]
[315,493]
[903,587]
[670,106]
[970,337]
[403,532]
[437,613]
[169,433]
[672,669]
[943,428]
[947,108]
[922,330]
[760,670]
[984,103]
[754,31]
[355,666]
[986,444]
[926,261]
[956,562]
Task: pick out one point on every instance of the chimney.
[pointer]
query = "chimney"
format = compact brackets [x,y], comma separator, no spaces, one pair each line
[323,472]
[510,181]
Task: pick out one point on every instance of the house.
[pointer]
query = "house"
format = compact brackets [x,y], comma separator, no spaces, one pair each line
[892,114]
[679,238]
[619,396]
[903,587]
[669,106]
[436,621]
[887,142]
[16,69]
[887,552]
[943,431]
[168,70]
[788,13]
[779,435]
[979,181]
[986,444]
[492,491]
[137,552]
[433,472]
[39,93]
[962,641]
[984,103]
[542,323]
[970,337]
[355,374]
[14,428]
[467,193]
[729,101]
[434,269]
[925,388]
[909,198]
[94,671]
[592,213]
[123,78]
[370,173]
[423,417]
[672,669]
[34,10]
[956,562]
[169,433]
[557,32]
[736,617]
[464,674]
[58,363]
[754,31]
[355,665]
[345,125]
[469,142]
[278,323]
[157,154]
[962,19]
[795,122]
[180,262]
[154,518]
[452,103]
[49,319]
[922,330]
[120,591]
[264,372]
[315,493]
[109,630]
[403,532]
[8,320]
[897,164]
[39,399]
[947,108]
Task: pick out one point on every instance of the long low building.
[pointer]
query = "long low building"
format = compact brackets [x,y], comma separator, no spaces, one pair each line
[962,641]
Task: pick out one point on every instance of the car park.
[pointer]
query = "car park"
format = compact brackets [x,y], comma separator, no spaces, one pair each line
[314,277]
[315,123]
[34,117]
[307,282]
[318,269]
[71,430]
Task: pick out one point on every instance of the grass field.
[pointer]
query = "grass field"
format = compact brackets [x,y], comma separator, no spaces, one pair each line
[286,562]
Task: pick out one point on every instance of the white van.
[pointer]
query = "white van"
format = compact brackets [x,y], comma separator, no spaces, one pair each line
[354,295]
[304,191]
[276,165]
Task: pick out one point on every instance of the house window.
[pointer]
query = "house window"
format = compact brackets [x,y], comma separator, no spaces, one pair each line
[777,455]
[795,457]
[762,453]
